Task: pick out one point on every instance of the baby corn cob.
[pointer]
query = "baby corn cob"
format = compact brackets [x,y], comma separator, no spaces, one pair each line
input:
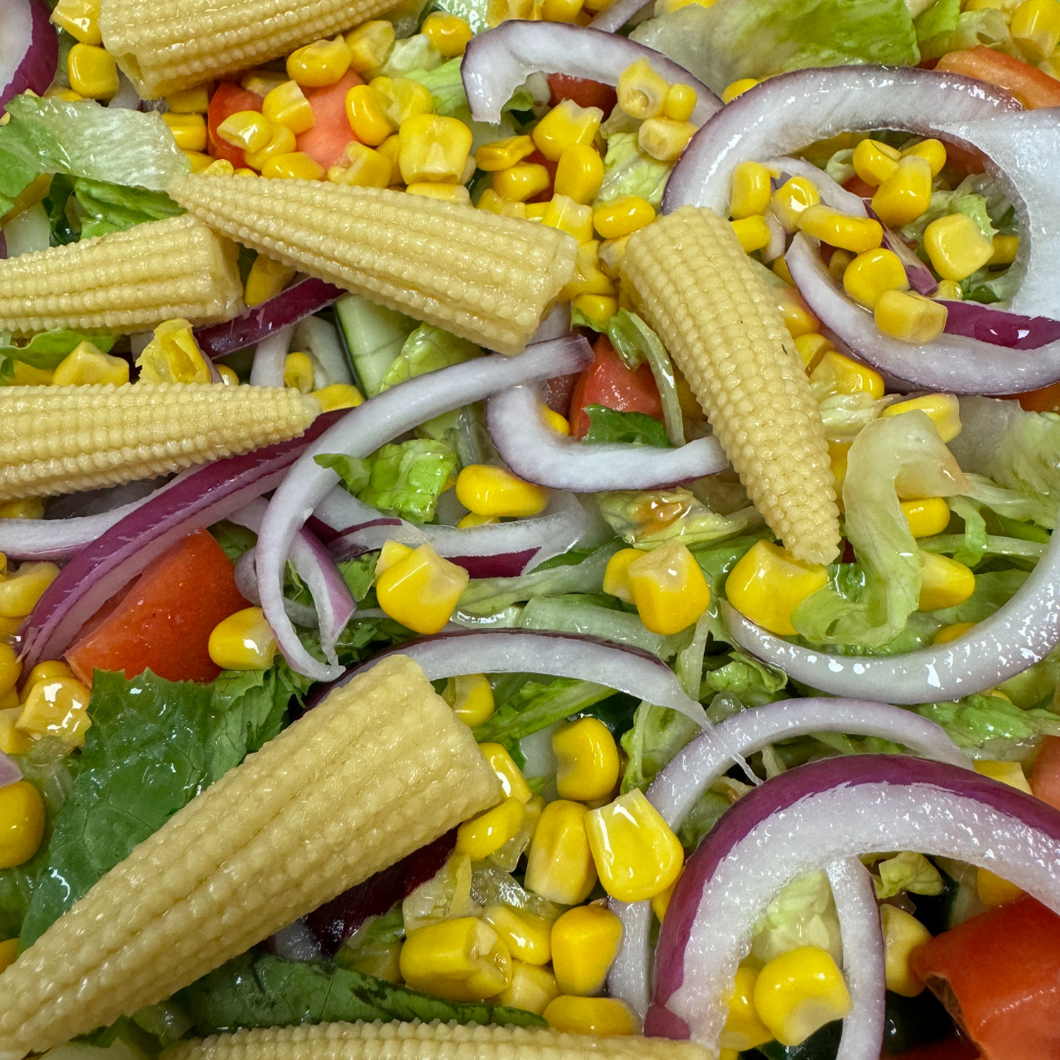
[426,1041]
[381,767]
[485,277]
[163,48]
[62,439]
[692,281]
[125,281]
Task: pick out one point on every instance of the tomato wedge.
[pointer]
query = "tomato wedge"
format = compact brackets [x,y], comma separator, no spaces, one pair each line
[228,99]
[326,141]
[163,620]
[1032,87]
[584,92]
[607,381]
[1045,780]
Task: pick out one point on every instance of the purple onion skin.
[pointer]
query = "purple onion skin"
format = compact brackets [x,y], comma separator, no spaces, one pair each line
[35,73]
[1010,330]
[335,921]
[506,565]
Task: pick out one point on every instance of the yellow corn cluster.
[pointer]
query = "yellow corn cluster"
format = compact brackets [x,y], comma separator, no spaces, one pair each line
[62,439]
[377,770]
[125,281]
[485,277]
[167,47]
[693,283]
[426,1041]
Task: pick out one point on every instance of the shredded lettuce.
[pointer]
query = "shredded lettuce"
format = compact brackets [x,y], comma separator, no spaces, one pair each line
[648,518]
[629,171]
[976,720]
[907,871]
[802,914]
[427,349]
[410,54]
[447,91]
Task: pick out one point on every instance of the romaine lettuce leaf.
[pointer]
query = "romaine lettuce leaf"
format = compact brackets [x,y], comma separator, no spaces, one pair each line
[427,349]
[906,871]
[650,517]
[408,478]
[629,171]
[108,207]
[47,349]
[658,733]
[608,425]
[975,720]
[802,914]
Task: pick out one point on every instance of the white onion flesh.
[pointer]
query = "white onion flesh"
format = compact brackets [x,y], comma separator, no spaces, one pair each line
[269,357]
[616,15]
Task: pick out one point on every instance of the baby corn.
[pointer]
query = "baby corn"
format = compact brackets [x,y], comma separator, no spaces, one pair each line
[163,48]
[485,277]
[63,439]
[125,281]
[381,767]
[426,1041]
[693,283]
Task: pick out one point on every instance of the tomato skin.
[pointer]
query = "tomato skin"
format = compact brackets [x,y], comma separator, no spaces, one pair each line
[584,92]
[856,186]
[1045,780]
[1032,87]
[326,141]
[228,99]
[607,381]
[163,620]
[1045,400]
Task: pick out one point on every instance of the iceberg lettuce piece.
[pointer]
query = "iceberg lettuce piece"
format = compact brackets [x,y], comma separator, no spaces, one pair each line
[629,171]
[802,914]
[427,349]
[907,871]
[646,518]
[976,720]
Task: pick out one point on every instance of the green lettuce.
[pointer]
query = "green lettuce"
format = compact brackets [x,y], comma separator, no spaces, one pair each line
[81,208]
[657,734]
[650,517]
[408,478]
[941,32]
[410,54]
[629,171]
[802,914]
[427,349]
[976,720]
[740,675]
[907,871]
[47,349]
[447,92]
[608,425]
[979,197]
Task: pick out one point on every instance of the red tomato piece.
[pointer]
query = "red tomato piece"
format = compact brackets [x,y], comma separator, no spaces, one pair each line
[1045,780]
[607,381]
[1032,87]
[584,92]
[1045,400]
[856,186]
[326,141]
[228,99]
[539,159]
[998,974]
[163,620]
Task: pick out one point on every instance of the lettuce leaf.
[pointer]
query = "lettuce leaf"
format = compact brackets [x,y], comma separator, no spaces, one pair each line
[408,478]
[657,734]
[47,349]
[629,171]
[635,515]
[427,349]
[82,208]
[975,720]
[607,425]
[802,914]
[907,871]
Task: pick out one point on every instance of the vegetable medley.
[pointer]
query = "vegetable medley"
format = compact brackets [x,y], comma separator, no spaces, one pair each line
[456,573]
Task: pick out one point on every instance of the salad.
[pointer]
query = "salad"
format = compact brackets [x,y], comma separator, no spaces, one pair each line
[528,526]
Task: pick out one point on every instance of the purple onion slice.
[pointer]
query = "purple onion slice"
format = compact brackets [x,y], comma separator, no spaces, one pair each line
[29,48]
[998,328]
[9,771]
[617,14]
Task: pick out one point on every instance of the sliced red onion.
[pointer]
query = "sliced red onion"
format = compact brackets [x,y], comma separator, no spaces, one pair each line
[98,571]
[554,326]
[807,819]
[498,61]
[691,772]
[126,98]
[510,651]
[537,453]
[977,321]
[784,114]
[917,273]
[295,943]
[361,432]
[778,240]
[951,362]
[617,14]
[300,300]
[29,48]
[246,575]
[496,550]
[269,357]
[9,771]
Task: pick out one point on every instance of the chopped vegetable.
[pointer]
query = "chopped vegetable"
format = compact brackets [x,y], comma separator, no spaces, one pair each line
[610,383]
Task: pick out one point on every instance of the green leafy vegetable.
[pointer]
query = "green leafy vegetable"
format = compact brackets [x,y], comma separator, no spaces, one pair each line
[975,720]
[108,207]
[47,349]
[907,871]
[427,349]
[629,171]
[802,914]
[607,425]
[651,517]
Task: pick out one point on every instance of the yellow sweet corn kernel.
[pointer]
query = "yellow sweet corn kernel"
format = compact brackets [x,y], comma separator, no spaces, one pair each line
[200,161]
[598,309]
[8,953]
[579,173]
[779,267]
[641,91]
[527,936]
[692,282]
[20,590]
[508,773]
[751,190]
[189,101]
[737,88]
[874,162]
[22,508]
[286,105]
[622,217]
[12,740]
[421,590]
[560,865]
[840,374]
[587,762]
[933,150]
[92,71]
[909,316]
[281,142]
[293,165]
[944,410]
[943,582]
[1035,28]
[26,375]
[80,18]
[448,33]
[471,519]
[487,833]
[838,264]
[369,775]
[455,193]
[664,139]
[1005,251]
[404,97]
[799,992]
[21,823]
[585,942]
[498,11]
[389,554]
[564,213]
[67,95]
[501,154]
[471,697]
[318,64]
[368,168]
[266,279]
[246,129]
[660,902]
[873,272]
[602,1016]
[367,115]
[994,890]
[856,234]
[370,44]
[926,516]
[680,102]
[956,246]
[752,232]
[338,396]
[262,82]
[588,277]
[951,633]
[85,365]
[796,314]
[811,348]
[532,987]
[433,148]
[488,490]
[219,167]
[768,583]
[535,211]
[668,588]
[298,371]
[793,197]
[58,708]
[520,182]
[565,125]
[561,10]
[1010,773]
[10,667]
[902,933]
[49,670]
[743,1029]
[904,195]
[243,641]
[173,356]
[462,959]
[189,130]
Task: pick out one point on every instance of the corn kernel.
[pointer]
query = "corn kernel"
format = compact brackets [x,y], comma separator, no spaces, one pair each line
[838,264]
[641,91]
[49,670]
[500,154]
[874,162]
[780,268]
[752,232]
[80,18]
[664,139]
[266,279]
[489,490]
[565,125]
[288,106]
[856,234]
[812,347]
[421,590]
[57,707]
[508,773]
[370,44]
[902,933]
[635,852]
[85,365]
[872,273]
[579,173]
[247,129]
[93,72]
[1005,250]
[404,97]
[660,902]
[623,216]
[585,942]
[1035,28]
[994,890]
[189,101]
[905,195]
[951,633]
[598,309]
[668,588]
[243,641]
[262,82]
[10,668]
[471,519]
[588,763]
[561,10]
[564,213]
[173,356]
[793,197]
[943,582]
[489,831]
[927,516]
[532,988]
[293,165]
[520,182]
[560,864]
[471,697]
[751,190]
[20,591]
[799,992]
[768,583]
[838,453]
[527,936]
[366,113]
[956,246]
[448,33]
[842,375]
[298,372]
[318,64]
[22,508]
[737,88]
[1008,773]
[455,193]
[603,1016]
[944,410]
[588,277]
[8,953]
[21,823]
[200,160]
[189,130]
[909,316]
[680,102]
[433,148]
[462,959]
[220,167]
[338,396]
[12,740]
[368,168]
[933,150]
[743,1029]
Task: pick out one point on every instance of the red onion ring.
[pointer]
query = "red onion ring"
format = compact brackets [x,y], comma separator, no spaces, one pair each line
[97,572]
[617,14]
[785,113]
[974,320]
[498,61]
[832,193]
[269,357]
[361,432]
[807,819]
[537,453]
[246,575]
[9,771]
[29,49]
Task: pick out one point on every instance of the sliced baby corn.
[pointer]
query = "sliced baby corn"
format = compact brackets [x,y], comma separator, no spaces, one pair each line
[125,281]
[485,277]
[381,767]
[691,280]
[426,1041]
[63,439]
